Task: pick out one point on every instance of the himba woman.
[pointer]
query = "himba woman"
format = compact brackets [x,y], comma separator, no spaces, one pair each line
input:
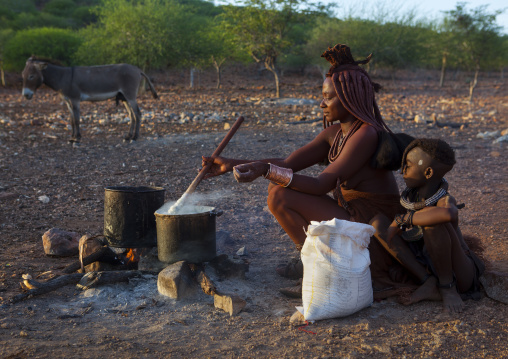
[352,128]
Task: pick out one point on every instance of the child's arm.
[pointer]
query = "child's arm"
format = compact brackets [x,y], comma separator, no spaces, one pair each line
[445,211]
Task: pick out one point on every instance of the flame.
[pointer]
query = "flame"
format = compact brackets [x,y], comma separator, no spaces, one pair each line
[132,256]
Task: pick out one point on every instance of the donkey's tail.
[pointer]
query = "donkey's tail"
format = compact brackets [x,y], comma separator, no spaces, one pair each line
[152,89]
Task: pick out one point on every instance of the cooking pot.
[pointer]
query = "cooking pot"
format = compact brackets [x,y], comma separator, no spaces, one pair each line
[190,237]
[129,221]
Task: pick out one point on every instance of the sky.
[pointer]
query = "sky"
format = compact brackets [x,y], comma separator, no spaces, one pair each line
[424,9]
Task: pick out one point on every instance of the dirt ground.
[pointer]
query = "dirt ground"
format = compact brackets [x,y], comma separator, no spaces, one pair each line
[133,320]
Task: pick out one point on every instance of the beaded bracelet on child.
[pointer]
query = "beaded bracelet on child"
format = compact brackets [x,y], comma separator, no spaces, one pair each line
[279,175]
[405,223]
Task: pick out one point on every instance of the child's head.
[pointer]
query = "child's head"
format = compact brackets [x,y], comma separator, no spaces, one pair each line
[426,159]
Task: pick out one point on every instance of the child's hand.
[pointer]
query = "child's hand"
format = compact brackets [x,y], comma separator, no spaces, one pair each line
[392,231]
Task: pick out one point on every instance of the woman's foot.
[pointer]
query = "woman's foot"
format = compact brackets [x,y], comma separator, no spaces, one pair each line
[427,291]
[291,270]
[294,291]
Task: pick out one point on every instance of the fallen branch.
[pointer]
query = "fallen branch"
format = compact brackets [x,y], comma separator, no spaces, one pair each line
[92,279]
[94,257]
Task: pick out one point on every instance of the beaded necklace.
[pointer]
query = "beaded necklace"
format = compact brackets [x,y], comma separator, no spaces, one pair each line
[415,233]
[416,206]
[340,139]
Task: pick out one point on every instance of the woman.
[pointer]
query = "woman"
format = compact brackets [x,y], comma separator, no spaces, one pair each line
[350,139]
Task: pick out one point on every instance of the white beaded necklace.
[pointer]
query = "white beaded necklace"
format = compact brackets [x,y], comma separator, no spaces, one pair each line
[416,206]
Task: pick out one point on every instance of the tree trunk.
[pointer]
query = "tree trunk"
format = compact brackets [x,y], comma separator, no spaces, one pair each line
[473,83]
[2,73]
[443,70]
[270,66]
[192,70]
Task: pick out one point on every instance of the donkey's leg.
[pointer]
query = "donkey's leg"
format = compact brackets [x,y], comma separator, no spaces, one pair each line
[132,117]
[74,116]
[137,114]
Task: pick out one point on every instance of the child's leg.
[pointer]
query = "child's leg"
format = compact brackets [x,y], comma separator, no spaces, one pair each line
[450,263]
[399,249]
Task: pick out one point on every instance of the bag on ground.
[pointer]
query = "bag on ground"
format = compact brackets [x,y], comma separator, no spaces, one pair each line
[336,273]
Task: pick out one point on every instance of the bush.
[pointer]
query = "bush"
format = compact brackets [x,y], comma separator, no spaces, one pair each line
[58,44]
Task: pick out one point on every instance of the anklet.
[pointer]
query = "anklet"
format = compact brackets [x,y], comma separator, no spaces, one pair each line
[449,285]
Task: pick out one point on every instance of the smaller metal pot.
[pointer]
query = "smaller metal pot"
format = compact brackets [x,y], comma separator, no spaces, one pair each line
[189,237]
[128,215]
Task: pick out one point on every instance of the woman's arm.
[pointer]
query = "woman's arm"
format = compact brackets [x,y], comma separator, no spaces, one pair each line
[306,156]
[354,156]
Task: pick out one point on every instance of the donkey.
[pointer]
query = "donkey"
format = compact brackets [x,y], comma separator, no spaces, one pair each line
[93,83]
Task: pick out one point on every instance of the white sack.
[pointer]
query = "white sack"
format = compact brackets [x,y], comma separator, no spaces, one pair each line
[336,273]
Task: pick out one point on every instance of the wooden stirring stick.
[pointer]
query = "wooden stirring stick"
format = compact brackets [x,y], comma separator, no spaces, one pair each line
[216,153]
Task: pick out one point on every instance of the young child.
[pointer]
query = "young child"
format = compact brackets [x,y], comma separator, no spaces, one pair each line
[427,239]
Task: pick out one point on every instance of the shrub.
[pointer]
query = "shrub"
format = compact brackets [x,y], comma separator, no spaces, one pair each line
[58,44]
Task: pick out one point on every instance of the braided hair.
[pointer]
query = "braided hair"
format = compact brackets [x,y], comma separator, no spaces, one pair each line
[353,86]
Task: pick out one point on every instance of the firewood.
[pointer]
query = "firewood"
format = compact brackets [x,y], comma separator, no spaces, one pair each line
[106,277]
[94,257]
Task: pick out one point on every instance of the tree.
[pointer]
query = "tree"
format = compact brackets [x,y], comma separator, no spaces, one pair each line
[142,33]
[58,44]
[221,47]
[479,37]
[262,29]
[5,36]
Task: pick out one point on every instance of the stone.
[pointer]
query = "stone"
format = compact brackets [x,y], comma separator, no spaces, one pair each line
[231,304]
[297,318]
[175,281]
[242,251]
[61,243]
[87,246]
[495,284]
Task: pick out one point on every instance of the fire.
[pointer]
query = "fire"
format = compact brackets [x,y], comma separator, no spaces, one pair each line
[132,256]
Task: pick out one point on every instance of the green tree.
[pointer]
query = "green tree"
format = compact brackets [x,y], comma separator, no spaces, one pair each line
[5,36]
[58,44]
[479,38]
[141,33]
[221,47]
[262,27]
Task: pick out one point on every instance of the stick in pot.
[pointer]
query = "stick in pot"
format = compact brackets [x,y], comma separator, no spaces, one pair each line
[205,169]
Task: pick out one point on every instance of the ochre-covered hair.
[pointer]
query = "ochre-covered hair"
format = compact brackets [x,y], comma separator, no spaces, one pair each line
[353,86]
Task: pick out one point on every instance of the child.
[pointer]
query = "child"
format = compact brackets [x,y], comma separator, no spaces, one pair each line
[426,239]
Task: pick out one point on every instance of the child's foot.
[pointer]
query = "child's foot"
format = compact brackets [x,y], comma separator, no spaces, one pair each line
[452,302]
[427,291]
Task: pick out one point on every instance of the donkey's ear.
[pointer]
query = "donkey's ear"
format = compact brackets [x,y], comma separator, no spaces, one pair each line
[40,65]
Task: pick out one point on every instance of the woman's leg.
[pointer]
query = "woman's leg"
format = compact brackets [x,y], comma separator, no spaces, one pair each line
[294,210]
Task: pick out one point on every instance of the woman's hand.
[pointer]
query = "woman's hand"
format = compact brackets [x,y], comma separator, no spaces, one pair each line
[248,172]
[220,165]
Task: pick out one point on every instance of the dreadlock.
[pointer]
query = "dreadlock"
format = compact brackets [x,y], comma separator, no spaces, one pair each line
[437,149]
[353,86]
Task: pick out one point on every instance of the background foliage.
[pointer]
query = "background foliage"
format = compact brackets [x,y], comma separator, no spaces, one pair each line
[280,34]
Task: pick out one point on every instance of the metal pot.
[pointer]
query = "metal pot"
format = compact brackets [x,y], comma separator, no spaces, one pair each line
[189,237]
[129,221]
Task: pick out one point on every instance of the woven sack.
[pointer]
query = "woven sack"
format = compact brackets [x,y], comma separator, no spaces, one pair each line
[336,273]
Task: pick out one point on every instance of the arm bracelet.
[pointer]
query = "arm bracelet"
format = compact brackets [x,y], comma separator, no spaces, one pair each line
[279,175]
